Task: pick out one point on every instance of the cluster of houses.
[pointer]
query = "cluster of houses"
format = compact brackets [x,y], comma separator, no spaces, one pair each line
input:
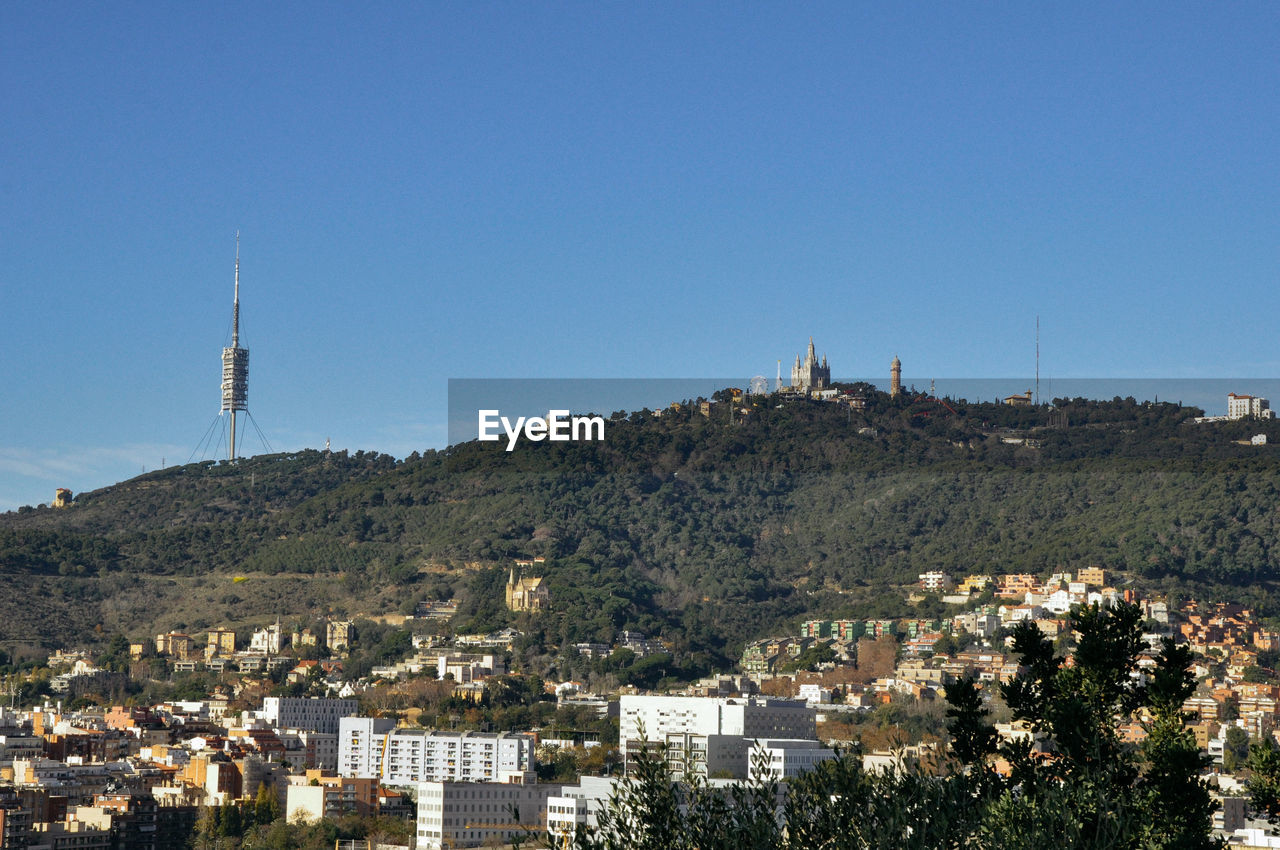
[1015,597]
[220,654]
[1227,640]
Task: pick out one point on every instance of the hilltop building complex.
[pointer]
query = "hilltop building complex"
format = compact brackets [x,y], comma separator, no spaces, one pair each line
[1248,407]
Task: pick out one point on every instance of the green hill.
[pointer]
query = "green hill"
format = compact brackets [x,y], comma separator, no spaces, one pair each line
[701,530]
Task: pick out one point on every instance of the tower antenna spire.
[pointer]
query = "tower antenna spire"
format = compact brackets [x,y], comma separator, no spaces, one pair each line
[235,365]
[235,310]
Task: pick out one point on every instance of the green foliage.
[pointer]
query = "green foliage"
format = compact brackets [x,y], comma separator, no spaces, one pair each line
[115,656]
[1078,706]
[1065,813]
[267,804]
[376,644]
[1264,778]
[508,691]
[1174,762]
[840,805]
[811,658]
[192,686]
[1235,750]
[1118,796]
[973,738]
[1257,675]
[229,820]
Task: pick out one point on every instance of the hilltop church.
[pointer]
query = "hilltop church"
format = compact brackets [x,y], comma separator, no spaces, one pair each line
[809,375]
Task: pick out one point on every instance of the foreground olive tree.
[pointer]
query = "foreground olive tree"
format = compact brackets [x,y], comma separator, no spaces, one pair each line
[1081,785]
[1077,784]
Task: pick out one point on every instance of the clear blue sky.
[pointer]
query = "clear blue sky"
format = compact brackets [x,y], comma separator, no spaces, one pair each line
[430,190]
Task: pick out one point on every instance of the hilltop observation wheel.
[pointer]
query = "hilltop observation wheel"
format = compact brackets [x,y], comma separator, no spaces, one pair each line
[759,385]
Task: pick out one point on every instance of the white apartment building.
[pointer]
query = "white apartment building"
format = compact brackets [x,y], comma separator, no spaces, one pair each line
[754,717]
[362,741]
[373,747]
[311,713]
[935,582]
[1060,601]
[689,754]
[469,814]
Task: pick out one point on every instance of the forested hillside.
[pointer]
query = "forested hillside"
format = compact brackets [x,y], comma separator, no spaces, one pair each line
[704,530]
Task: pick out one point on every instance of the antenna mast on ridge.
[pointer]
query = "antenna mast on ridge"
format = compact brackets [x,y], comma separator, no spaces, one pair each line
[1037,360]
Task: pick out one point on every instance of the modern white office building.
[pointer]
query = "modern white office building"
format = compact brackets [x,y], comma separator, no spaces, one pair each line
[709,736]
[644,716]
[471,814]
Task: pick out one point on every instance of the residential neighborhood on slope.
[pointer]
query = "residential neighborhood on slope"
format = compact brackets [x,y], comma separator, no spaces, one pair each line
[295,735]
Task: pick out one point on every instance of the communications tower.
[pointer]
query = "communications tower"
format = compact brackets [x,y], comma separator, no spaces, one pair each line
[235,365]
